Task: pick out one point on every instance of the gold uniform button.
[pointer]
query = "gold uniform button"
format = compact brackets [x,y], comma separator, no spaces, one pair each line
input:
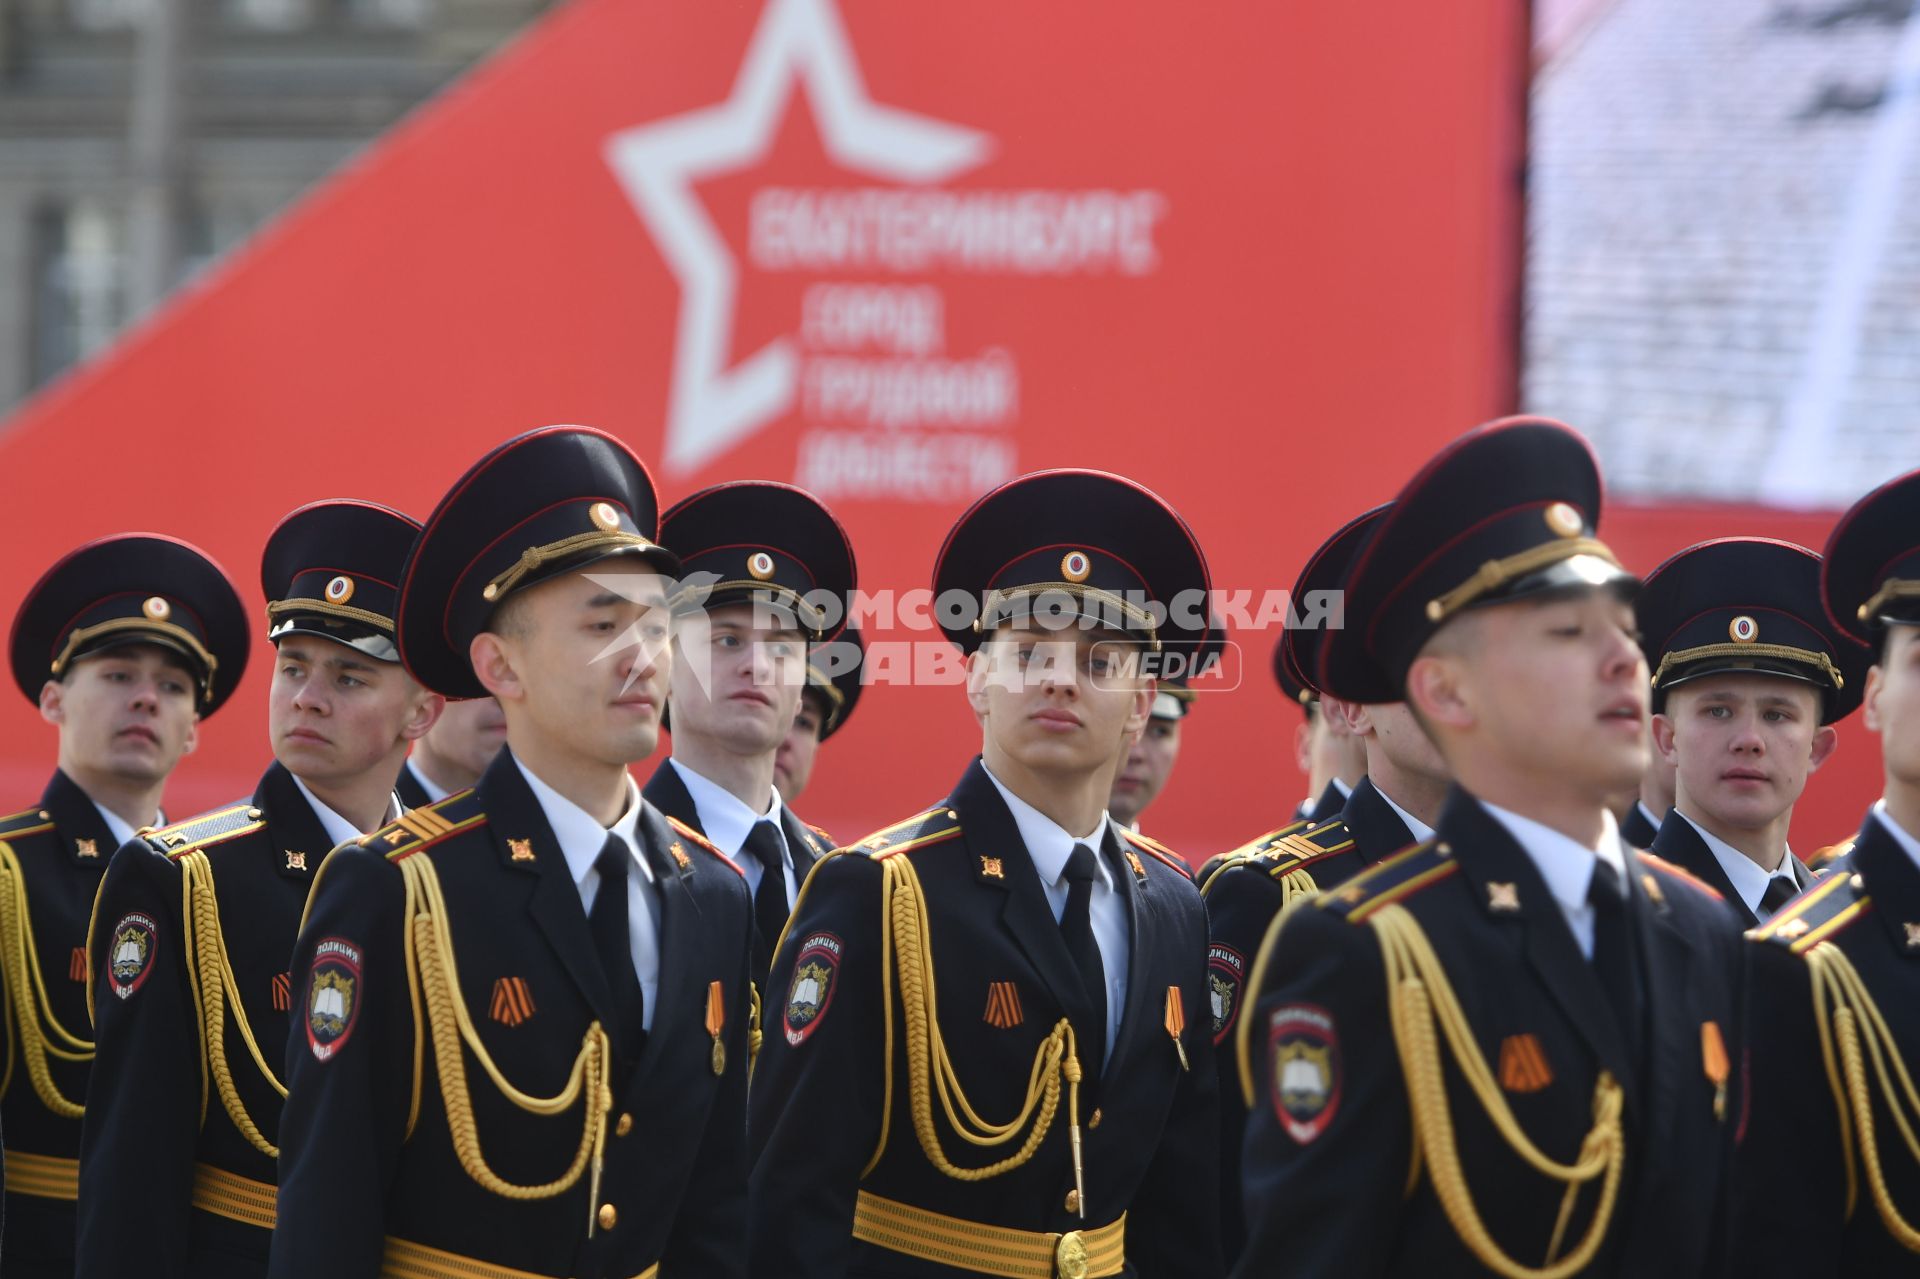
[1095,1121]
[609,1216]
[1073,1201]
[624,1126]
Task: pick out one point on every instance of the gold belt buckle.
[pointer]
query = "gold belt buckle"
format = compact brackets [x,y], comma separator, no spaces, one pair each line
[1070,1256]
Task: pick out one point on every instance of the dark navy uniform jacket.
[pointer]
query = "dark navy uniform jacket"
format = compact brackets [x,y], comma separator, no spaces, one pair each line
[1679,843]
[1794,1212]
[63,845]
[366,1153]
[1329,1147]
[1003,978]
[1243,900]
[805,844]
[409,788]
[1637,830]
[162,1152]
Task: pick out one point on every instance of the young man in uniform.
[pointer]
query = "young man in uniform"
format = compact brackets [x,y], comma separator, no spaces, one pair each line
[1832,987]
[195,921]
[1393,805]
[826,703]
[454,753]
[754,552]
[1749,679]
[1062,1116]
[1508,1047]
[520,1037]
[125,645]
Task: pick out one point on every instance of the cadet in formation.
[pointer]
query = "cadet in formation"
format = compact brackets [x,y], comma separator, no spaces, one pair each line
[1834,987]
[826,703]
[753,552]
[454,752]
[125,645]
[1007,1072]
[1559,1095]
[520,1035]
[1391,806]
[195,921]
[1749,679]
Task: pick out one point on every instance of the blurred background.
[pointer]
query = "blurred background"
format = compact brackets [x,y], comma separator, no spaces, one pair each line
[259,252]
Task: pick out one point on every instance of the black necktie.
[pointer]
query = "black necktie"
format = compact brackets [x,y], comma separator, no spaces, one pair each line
[1780,890]
[613,946]
[1076,928]
[770,898]
[1613,956]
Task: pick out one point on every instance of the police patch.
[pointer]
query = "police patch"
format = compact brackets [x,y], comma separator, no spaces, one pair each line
[1226,969]
[1303,1054]
[333,996]
[815,973]
[130,954]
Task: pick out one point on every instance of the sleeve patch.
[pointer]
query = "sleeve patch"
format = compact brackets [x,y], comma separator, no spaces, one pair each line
[333,996]
[815,975]
[1303,1056]
[1226,972]
[135,939]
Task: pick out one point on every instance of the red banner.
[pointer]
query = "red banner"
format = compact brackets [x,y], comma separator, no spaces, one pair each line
[1259,257]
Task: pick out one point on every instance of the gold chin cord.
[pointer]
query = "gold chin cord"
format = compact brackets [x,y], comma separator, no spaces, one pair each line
[1842,1008]
[1419,995]
[214,991]
[24,996]
[906,945]
[435,978]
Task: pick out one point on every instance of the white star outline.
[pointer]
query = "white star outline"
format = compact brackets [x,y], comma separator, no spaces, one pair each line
[635,635]
[713,408]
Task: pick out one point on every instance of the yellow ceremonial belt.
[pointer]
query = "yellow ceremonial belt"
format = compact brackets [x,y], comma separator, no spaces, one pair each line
[989,1250]
[42,1176]
[236,1198]
[406,1260]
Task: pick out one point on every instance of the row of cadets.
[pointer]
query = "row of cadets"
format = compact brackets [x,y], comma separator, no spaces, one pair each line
[521,1013]
[759,559]
[1833,982]
[126,645]
[1508,1048]
[190,989]
[1393,803]
[1007,1071]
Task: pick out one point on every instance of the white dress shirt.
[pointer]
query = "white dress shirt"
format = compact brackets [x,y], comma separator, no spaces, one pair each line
[435,791]
[339,829]
[1049,845]
[116,826]
[581,837]
[1748,880]
[727,822]
[1421,831]
[1567,866]
[1901,835]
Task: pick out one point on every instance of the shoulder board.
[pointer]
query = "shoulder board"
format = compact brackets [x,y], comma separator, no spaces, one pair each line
[194,833]
[1831,905]
[1678,872]
[1254,847]
[930,827]
[422,827]
[825,838]
[1154,848]
[1290,852]
[1821,858]
[28,821]
[701,842]
[1395,879]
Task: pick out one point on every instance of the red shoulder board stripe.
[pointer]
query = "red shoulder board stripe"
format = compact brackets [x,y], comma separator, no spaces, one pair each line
[1680,873]
[701,842]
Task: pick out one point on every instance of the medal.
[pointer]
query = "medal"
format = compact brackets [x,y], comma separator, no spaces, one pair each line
[716,1021]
